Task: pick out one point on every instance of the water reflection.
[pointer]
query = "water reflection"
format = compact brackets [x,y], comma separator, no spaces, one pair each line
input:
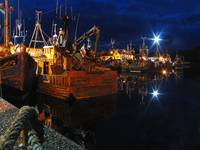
[78,120]
[138,84]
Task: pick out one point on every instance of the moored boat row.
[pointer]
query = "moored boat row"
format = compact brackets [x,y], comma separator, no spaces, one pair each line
[67,68]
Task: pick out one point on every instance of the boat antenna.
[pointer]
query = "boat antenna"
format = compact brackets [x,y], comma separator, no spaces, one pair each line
[52,28]
[19,18]
[60,13]
[54,34]
[112,43]
[76,30]
[65,7]
[130,45]
[24,31]
[57,7]
[66,20]
[72,16]
[18,8]
[71,12]
[143,41]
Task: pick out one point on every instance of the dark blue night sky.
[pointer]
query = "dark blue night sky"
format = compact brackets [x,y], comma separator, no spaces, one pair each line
[125,20]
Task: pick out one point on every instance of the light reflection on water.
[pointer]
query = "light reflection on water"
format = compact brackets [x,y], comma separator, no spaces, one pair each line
[144,85]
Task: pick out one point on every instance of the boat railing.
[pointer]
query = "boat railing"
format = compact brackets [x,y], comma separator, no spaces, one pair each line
[55,80]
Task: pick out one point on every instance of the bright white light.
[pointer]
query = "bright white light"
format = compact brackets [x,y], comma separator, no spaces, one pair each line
[156,39]
[155,93]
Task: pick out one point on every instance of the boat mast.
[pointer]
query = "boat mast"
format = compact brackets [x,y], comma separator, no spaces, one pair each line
[65,7]
[6,25]
[60,12]
[76,28]
[56,7]
[130,45]
[38,30]
[112,43]
[144,49]
[143,42]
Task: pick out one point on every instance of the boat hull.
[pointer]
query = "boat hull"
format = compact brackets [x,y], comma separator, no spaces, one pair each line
[17,71]
[80,84]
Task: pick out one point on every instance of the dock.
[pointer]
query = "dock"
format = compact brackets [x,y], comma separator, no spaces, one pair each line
[53,140]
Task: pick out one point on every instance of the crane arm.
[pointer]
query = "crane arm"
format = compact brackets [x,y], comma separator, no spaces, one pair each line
[93,31]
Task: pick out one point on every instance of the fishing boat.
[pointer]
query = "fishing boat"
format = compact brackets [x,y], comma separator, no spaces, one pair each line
[126,60]
[67,70]
[17,71]
[141,62]
[118,59]
[17,67]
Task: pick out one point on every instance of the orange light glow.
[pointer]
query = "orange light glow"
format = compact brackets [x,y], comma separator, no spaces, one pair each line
[164,72]
[161,58]
[144,58]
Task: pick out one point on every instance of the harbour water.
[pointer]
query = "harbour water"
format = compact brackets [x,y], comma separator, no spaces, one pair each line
[169,122]
[134,118]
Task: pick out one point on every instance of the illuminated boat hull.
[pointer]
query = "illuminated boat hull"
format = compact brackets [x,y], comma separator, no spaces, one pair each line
[17,71]
[80,84]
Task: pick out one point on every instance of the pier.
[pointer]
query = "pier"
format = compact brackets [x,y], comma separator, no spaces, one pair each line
[10,126]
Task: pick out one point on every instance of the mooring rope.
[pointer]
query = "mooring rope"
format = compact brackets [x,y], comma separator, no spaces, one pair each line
[21,122]
[33,141]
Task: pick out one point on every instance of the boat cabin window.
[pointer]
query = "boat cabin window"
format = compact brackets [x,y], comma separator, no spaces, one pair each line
[48,50]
